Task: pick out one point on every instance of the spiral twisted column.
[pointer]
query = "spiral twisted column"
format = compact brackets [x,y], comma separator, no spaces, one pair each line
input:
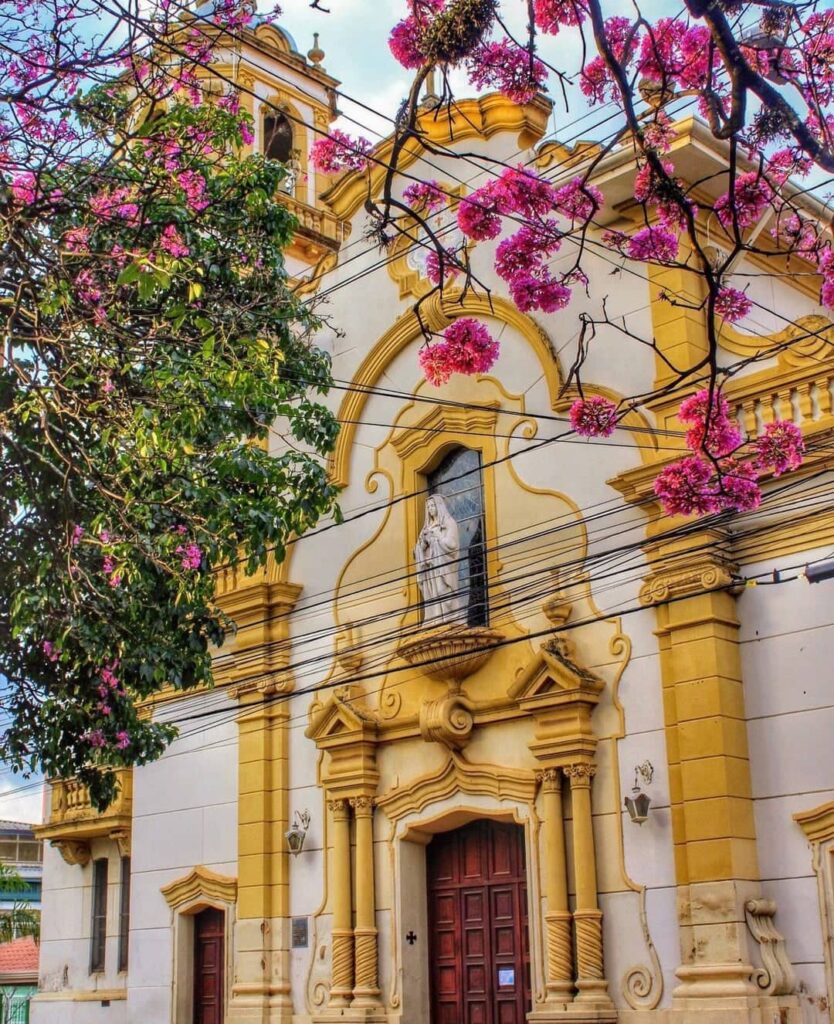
[341,989]
[366,987]
[559,982]
[587,918]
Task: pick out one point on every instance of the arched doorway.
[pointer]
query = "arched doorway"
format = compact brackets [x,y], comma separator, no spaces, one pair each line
[479,952]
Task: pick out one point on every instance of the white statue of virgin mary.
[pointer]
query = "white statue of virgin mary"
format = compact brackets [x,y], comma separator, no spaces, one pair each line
[437,555]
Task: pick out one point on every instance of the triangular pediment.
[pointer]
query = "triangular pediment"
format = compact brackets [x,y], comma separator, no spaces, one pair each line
[341,715]
[551,676]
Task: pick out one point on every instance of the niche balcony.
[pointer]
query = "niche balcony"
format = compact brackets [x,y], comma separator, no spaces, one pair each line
[73,822]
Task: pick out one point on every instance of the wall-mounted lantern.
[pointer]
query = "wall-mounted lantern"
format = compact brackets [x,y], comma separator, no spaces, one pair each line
[298,833]
[638,803]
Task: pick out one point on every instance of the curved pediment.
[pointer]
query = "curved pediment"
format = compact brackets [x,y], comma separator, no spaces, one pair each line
[200,888]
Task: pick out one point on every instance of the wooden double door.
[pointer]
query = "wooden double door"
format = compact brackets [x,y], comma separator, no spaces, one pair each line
[479,953]
[209,966]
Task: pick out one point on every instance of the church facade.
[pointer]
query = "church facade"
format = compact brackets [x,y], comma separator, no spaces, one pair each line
[507,744]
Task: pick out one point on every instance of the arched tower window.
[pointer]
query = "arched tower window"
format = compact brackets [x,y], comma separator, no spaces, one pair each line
[277,137]
[458,478]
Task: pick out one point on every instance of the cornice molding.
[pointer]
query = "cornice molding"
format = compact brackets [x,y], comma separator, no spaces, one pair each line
[475,118]
[817,823]
[201,886]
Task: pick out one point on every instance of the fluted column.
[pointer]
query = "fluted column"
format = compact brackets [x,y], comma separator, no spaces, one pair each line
[366,987]
[341,989]
[590,977]
[558,917]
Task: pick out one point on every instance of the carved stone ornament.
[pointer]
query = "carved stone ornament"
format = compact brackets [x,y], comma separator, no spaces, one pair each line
[580,774]
[776,977]
[73,851]
[680,582]
[447,720]
[121,836]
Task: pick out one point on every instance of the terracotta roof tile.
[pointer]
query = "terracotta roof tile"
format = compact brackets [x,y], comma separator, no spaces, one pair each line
[19,956]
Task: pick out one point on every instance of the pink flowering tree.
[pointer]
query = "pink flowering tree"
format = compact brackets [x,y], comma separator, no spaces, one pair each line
[150,341]
[759,74]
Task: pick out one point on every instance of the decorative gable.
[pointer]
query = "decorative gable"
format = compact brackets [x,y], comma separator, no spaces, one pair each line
[347,731]
[561,696]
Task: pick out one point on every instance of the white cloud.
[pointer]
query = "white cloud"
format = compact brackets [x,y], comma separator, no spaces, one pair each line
[21,799]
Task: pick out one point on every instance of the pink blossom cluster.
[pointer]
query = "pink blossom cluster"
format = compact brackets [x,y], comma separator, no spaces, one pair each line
[711,428]
[713,479]
[596,81]
[405,40]
[77,240]
[467,347]
[521,259]
[118,204]
[692,487]
[451,266]
[50,651]
[108,567]
[191,555]
[337,152]
[825,264]
[732,305]
[507,67]
[425,195]
[649,245]
[552,15]
[751,195]
[193,185]
[172,243]
[594,417]
[673,52]
[780,448]
[664,194]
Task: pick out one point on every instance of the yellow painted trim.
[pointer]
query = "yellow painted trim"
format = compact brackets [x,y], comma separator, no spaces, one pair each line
[476,118]
[807,339]
[459,775]
[200,884]
[410,281]
[81,996]
[818,823]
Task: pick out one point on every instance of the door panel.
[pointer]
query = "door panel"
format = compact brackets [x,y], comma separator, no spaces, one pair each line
[479,946]
[209,966]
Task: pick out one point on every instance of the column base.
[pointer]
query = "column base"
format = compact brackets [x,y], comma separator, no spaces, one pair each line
[255,1004]
[725,994]
[350,1015]
[572,1013]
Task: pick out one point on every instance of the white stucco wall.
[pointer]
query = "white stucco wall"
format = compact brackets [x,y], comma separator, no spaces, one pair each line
[787,643]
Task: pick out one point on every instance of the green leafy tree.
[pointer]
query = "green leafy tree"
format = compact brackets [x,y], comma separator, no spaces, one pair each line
[151,341]
[20,919]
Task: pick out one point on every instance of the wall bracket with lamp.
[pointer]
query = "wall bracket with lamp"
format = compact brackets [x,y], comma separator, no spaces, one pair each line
[638,803]
[296,835]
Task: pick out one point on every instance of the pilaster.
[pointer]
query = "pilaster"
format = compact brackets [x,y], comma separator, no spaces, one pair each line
[713,828]
[261,991]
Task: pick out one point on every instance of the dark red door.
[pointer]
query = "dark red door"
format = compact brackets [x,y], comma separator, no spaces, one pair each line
[209,942]
[479,953]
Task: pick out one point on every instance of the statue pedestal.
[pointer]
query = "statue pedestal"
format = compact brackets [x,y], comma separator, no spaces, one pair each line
[451,652]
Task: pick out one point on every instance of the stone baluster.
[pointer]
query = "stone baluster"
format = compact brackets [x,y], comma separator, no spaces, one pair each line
[341,990]
[366,988]
[558,917]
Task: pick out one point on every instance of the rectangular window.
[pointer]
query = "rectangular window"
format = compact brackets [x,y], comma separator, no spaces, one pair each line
[98,931]
[124,913]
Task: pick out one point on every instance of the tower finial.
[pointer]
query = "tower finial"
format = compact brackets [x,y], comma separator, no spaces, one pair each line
[316,54]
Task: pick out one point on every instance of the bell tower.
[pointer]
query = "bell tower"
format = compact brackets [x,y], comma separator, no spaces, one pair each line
[292,100]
